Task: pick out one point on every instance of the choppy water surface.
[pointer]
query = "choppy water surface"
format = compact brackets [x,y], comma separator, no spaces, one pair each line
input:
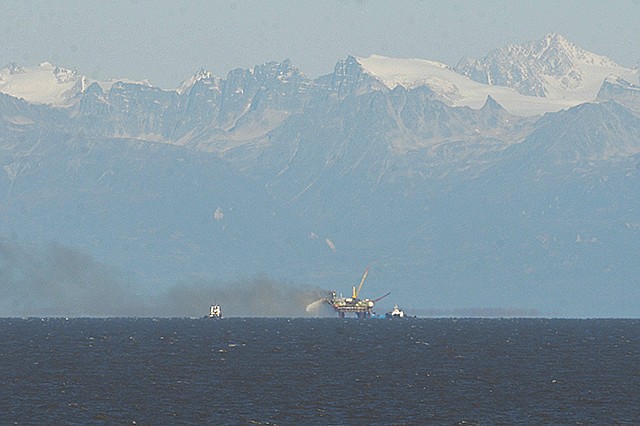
[319,371]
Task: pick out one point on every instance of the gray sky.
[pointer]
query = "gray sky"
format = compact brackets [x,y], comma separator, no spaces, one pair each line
[166,41]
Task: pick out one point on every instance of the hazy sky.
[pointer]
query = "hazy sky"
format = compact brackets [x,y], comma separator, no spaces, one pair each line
[166,41]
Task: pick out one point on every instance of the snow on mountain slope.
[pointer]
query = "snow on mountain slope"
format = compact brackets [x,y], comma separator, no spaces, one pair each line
[552,67]
[47,84]
[455,89]
[621,91]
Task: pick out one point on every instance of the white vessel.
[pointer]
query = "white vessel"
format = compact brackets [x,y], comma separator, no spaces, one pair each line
[215,312]
[395,313]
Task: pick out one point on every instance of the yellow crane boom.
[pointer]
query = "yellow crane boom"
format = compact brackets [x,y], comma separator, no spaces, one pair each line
[364,277]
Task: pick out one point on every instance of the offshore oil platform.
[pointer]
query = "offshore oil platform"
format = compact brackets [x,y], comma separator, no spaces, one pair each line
[363,308]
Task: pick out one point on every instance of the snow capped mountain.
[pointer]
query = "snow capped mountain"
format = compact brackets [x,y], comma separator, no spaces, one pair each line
[48,84]
[45,84]
[552,67]
[453,88]
[538,77]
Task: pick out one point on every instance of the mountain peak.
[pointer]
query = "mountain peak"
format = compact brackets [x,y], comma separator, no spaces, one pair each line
[14,68]
[282,71]
[200,75]
[550,67]
[555,39]
[556,46]
[350,77]
[492,104]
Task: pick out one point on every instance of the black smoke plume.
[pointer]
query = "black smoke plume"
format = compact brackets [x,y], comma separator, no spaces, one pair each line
[57,281]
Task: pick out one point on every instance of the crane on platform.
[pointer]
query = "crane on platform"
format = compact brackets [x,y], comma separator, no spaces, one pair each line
[363,308]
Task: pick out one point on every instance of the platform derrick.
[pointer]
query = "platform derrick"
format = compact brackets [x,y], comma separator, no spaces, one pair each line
[362,308]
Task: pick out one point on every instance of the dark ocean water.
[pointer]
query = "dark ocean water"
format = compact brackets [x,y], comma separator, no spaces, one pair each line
[319,371]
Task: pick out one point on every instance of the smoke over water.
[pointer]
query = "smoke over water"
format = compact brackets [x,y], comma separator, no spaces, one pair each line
[58,281]
[258,297]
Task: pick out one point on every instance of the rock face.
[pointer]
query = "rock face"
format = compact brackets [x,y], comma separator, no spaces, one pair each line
[268,171]
[621,91]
